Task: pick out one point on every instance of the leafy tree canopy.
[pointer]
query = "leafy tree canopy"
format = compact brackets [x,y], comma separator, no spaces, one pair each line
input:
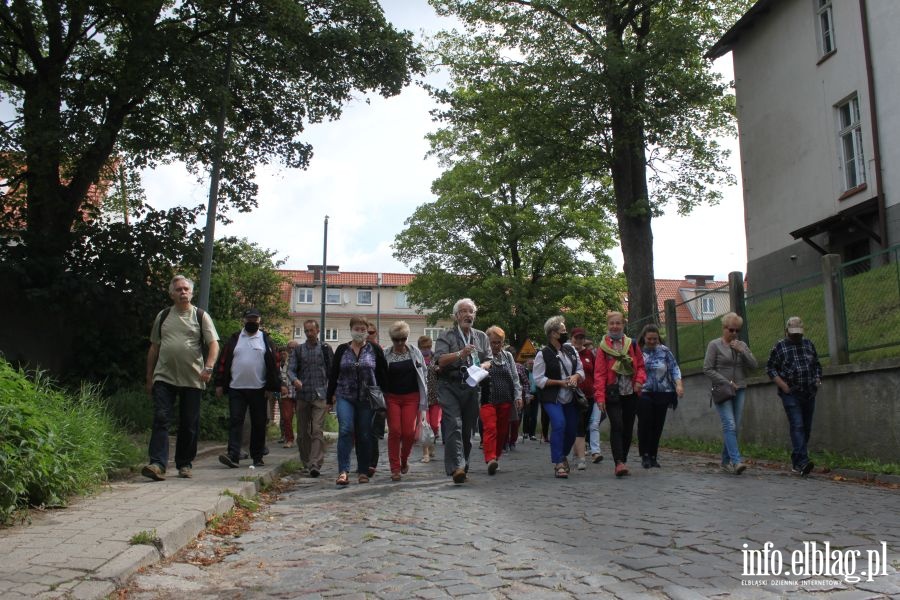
[618,93]
[144,79]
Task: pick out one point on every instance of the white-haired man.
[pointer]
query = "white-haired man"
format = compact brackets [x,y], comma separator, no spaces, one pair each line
[454,352]
[178,369]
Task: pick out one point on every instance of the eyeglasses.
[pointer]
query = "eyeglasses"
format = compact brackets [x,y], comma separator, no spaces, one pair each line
[732,330]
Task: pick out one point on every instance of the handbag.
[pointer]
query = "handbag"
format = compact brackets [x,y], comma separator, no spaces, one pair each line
[722,392]
[580,399]
[375,397]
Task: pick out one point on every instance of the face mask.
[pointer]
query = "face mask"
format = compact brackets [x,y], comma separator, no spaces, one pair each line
[358,336]
[426,353]
[251,327]
[617,336]
[563,338]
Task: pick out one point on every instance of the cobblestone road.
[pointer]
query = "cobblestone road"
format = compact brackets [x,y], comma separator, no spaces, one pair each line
[675,532]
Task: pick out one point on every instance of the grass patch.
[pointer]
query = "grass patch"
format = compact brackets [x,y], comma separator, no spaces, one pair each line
[290,467]
[330,423]
[872,299]
[146,538]
[826,459]
[54,443]
[242,502]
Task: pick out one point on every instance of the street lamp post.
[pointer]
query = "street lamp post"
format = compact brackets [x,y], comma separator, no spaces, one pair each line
[324,278]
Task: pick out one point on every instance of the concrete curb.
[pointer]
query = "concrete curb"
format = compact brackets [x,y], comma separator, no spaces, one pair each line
[177,509]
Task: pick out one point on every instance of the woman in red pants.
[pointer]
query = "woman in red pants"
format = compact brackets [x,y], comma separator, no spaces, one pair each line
[406,397]
[501,393]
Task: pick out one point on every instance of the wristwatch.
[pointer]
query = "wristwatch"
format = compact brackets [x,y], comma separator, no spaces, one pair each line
[208,370]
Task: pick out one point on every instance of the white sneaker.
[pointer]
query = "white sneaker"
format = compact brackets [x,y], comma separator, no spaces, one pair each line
[580,465]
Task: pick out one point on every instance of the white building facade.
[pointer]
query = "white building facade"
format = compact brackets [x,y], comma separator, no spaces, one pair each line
[816,84]
[378,297]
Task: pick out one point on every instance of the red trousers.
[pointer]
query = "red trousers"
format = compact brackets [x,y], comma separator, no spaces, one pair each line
[495,419]
[402,414]
[434,418]
[287,418]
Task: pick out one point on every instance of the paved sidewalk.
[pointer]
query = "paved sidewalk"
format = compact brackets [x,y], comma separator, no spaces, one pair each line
[84,550]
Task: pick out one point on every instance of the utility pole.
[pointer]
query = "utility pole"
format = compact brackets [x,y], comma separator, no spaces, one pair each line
[218,150]
[324,279]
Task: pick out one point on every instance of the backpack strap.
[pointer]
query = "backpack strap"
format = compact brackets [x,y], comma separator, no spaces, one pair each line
[164,314]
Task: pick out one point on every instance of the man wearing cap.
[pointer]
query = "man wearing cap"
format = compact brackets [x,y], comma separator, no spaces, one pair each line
[794,367]
[247,369]
[178,368]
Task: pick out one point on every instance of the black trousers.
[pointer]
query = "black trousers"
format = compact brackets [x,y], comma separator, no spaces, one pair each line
[238,403]
[651,411]
[529,417]
[621,425]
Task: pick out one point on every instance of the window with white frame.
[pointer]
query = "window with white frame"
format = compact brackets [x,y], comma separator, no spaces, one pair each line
[331,335]
[304,295]
[298,331]
[364,297]
[825,26]
[708,305]
[434,332]
[852,160]
[400,300]
[332,296]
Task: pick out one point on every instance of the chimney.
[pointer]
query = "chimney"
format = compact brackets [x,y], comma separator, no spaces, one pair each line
[699,281]
[316,271]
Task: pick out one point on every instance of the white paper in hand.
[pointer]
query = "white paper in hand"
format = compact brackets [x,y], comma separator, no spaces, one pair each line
[476,374]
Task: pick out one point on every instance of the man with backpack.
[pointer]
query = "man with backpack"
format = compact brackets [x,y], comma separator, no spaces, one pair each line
[308,370]
[178,368]
[247,369]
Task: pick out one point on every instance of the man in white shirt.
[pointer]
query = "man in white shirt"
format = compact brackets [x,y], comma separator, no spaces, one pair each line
[247,369]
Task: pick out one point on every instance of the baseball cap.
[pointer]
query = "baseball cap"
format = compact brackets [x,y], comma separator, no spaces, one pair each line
[795,325]
[252,312]
[578,331]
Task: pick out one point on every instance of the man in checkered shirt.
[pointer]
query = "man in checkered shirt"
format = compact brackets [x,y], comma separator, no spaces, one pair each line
[794,367]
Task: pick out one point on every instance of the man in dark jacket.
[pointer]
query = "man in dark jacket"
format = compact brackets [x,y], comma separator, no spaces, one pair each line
[247,369]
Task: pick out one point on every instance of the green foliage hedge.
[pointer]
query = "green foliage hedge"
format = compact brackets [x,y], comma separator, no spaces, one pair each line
[53,444]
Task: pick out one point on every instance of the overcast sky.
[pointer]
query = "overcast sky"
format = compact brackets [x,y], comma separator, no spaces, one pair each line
[369,172]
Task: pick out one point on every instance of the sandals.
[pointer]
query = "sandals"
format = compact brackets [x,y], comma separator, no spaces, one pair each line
[343,479]
[561,471]
[363,478]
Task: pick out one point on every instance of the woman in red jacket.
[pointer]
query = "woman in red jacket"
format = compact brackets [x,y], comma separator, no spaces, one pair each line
[618,376]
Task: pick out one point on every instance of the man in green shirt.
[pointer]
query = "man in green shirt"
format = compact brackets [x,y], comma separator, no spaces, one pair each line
[177,369]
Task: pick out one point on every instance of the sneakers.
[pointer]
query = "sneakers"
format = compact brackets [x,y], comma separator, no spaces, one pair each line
[314,472]
[580,465]
[258,462]
[727,468]
[154,472]
[807,468]
[228,461]
[459,476]
[493,465]
[596,457]
[621,470]
[531,438]
[645,462]
[185,473]
[739,468]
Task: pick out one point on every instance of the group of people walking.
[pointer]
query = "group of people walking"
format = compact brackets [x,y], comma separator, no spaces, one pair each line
[450,384]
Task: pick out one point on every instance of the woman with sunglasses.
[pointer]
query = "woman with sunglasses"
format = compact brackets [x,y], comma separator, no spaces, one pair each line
[406,395]
[726,363]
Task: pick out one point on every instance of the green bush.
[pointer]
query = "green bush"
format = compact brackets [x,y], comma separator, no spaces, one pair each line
[53,444]
[132,408]
[213,417]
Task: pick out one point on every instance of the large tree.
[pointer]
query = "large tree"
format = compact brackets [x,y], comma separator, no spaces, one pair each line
[509,231]
[620,94]
[144,79]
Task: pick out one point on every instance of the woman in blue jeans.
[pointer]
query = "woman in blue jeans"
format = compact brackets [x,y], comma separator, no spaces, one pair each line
[356,364]
[557,373]
[727,361]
